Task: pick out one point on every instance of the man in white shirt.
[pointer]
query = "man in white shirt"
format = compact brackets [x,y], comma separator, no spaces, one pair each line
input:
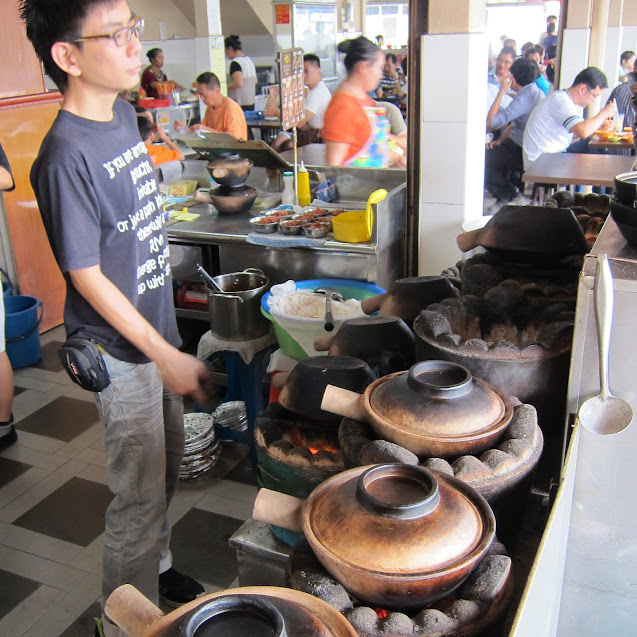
[558,118]
[316,102]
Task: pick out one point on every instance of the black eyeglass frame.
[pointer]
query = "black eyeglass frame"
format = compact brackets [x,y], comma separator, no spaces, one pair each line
[137,28]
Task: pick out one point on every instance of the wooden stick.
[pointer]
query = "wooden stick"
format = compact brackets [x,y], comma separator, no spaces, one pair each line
[278,508]
[131,611]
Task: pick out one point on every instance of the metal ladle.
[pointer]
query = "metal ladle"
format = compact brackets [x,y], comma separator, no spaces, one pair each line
[604,414]
[208,279]
[331,294]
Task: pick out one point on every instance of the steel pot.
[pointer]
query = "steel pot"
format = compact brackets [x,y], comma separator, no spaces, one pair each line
[435,409]
[235,314]
[255,611]
[229,169]
[395,536]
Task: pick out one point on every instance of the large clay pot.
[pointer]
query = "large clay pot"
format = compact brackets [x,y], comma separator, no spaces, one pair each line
[395,536]
[435,409]
[257,611]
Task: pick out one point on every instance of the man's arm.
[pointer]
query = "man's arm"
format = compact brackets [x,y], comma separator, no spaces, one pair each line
[169,142]
[181,373]
[495,107]
[6,180]
[589,126]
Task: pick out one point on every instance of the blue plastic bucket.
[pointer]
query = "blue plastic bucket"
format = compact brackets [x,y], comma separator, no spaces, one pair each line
[21,322]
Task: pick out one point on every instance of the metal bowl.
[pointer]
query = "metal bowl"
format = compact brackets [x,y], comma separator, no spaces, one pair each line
[281,215]
[230,201]
[288,226]
[265,228]
[316,233]
[229,170]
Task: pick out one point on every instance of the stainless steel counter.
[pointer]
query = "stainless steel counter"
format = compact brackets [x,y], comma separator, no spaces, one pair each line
[584,580]
[380,260]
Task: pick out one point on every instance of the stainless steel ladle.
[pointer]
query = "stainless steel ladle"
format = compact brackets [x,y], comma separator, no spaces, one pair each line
[604,414]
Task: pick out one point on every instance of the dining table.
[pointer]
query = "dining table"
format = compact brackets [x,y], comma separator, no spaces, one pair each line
[268,127]
[623,144]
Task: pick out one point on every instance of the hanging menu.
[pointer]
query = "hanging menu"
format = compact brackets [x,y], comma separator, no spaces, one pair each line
[291,87]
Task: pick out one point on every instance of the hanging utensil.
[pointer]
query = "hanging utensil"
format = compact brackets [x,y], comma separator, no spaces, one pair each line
[331,294]
[208,279]
[604,414]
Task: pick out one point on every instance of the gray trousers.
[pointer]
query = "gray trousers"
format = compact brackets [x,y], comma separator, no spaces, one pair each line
[144,439]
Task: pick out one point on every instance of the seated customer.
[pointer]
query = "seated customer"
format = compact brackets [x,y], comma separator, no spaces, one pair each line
[223,114]
[534,54]
[316,102]
[158,153]
[392,79]
[504,156]
[558,118]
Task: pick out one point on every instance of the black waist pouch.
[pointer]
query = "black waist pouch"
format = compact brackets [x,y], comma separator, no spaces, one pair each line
[83,362]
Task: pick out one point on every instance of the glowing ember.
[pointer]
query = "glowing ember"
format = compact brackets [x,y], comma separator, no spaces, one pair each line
[381,612]
[315,441]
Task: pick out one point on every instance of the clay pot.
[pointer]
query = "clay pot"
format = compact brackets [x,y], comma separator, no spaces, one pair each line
[395,536]
[435,409]
[229,201]
[256,611]
[229,170]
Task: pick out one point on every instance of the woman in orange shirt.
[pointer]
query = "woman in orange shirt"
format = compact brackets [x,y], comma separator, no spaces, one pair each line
[346,127]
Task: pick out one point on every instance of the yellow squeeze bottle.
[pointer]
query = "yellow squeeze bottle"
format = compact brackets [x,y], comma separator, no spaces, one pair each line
[303,186]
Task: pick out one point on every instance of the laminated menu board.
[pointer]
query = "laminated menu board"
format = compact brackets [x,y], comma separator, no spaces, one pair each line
[291,87]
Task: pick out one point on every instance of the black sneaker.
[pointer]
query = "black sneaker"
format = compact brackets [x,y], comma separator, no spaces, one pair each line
[8,439]
[177,589]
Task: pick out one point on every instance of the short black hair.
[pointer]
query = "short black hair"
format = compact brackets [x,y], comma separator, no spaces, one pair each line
[524,71]
[526,46]
[209,79]
[507,50]
[392,57]
[551,17]
[145,127]
[313,59]
[51,21]
[233,42]
[531,50]
[152,54]
[626,55]
[592,77]
[360,50]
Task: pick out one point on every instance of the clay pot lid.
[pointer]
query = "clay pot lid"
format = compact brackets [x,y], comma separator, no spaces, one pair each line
[440,399]
[398,519]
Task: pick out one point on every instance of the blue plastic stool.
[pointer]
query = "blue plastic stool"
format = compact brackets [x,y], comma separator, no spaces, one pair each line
[244,384]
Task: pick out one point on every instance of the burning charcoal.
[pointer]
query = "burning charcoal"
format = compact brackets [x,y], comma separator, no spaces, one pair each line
[438,464]
[302,452]
[476,344]
[486,582]
[555,290]
[532,289]
[498,304]
[524,423]
[505,349]
[470,468]
[556,336]
[322,586]
[396,624]
[433,324]
[494,458]
[458,314]
[434,622]
[441,310]
[269,429]
[532,351]
[380,451]
[364,620]
[484,275]
[564,198]
[550,313]
[283,446]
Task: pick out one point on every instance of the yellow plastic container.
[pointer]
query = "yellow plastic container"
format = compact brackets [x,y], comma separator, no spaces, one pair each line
[356,226]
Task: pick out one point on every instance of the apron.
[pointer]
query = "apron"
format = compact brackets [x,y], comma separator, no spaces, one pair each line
[374,153]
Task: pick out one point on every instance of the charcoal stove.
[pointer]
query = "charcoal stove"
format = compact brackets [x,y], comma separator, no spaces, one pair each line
[519,343]
[469,610]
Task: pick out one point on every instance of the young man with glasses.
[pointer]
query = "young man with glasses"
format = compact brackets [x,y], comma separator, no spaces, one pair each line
[557,119]
[97,193]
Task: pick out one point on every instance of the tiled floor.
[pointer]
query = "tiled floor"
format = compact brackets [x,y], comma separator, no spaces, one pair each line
[53,495]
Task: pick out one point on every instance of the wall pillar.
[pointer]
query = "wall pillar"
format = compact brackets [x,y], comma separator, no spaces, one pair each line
[629,24]
[453,120]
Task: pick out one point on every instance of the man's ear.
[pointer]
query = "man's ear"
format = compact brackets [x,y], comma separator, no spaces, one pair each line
[64,55]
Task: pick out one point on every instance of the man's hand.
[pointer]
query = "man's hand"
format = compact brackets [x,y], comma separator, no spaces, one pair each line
[184,374]
[204,129]
[494,143]
[505,84]
[180,127]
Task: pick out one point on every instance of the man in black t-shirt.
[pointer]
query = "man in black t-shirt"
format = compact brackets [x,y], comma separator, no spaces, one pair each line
[8,434]
[99,200]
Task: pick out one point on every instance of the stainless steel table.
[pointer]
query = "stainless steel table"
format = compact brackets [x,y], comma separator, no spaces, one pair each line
[584,581]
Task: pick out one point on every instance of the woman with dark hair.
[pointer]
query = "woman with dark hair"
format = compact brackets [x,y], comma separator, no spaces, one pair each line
[153,74]
[346,127]
[242,76]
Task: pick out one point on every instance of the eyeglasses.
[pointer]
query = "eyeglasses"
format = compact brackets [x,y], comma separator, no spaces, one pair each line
[122,36]
[595,95]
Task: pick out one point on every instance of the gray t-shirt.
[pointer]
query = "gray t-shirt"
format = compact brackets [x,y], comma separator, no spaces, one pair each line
[100,203]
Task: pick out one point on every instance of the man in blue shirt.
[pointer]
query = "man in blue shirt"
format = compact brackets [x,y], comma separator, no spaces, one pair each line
[504,156]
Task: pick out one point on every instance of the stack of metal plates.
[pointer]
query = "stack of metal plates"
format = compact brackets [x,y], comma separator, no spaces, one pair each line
[201,449]
[231,415]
